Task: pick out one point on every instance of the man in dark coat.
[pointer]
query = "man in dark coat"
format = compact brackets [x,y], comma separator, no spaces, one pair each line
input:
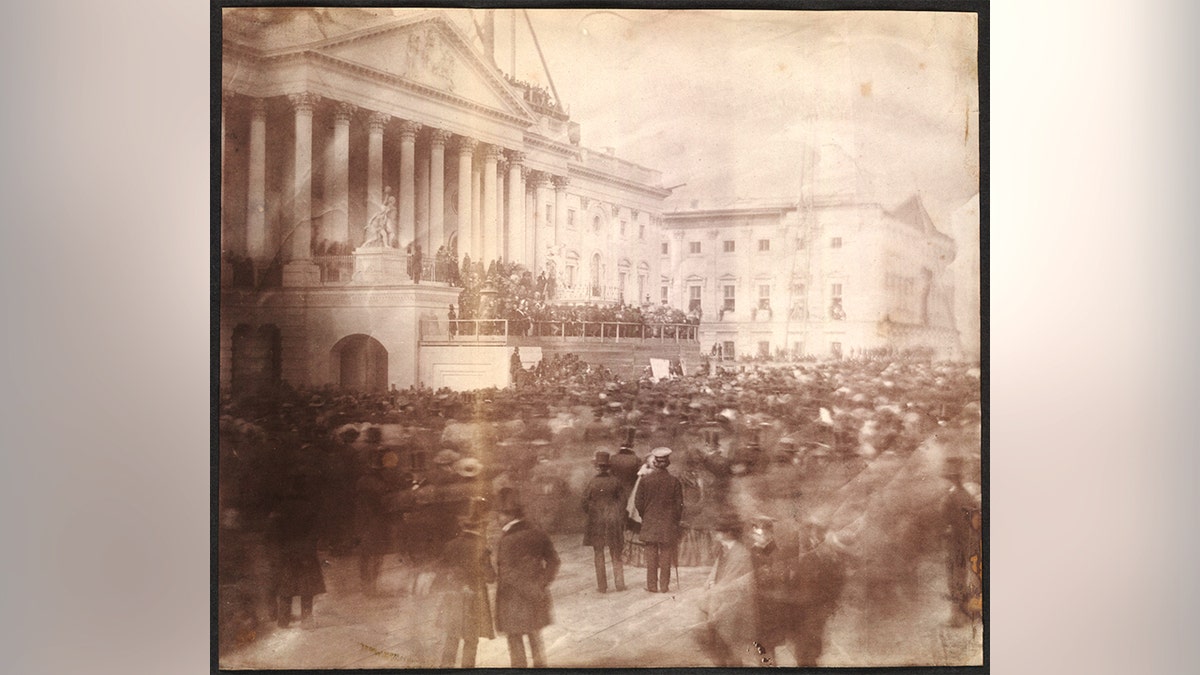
[604,506]
[625,465]
[464,571]
[659,502]
[292,530]
[821,576]
[526,563]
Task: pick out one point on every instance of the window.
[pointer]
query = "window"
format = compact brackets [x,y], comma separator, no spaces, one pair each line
[693,247]
[764,244]
[837,291]
[836,242]
[596,224]
[727,350]
[729,300]
[693,298]
[764,349]
[642,289]
[800,244]
[570,275]
[570,217]
[624,223]
[835,348]
[641,230]
[662,293]
[666,248]
[621,277]
[727,246]
[549,214]
[764,297]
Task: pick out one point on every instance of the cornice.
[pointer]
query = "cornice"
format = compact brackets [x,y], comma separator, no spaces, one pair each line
[577,170]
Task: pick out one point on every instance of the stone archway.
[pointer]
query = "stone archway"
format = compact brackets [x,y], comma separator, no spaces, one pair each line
[361,363]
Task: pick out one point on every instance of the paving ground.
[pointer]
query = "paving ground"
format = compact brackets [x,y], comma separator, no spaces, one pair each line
[906,620]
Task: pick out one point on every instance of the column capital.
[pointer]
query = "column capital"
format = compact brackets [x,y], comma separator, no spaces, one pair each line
[465,144]
[492,152]
[409,129]
[342,112]
[560,182]
[258,107]
[303,103]
[377,120]
[538,179]
[514,157]
[439,136]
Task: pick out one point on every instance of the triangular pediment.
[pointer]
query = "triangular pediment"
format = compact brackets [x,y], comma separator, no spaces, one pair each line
[429,51]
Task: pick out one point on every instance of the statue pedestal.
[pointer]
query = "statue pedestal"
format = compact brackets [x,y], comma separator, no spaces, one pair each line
[380,265]
[301,273]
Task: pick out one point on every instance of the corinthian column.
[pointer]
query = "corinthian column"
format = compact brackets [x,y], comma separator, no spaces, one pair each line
[337,178]
[374,165]
[256,195]
[408,183]
[490,229]
[301,225]
[466,151]
[515,246]
[533,219]
[560,207]
[437,188]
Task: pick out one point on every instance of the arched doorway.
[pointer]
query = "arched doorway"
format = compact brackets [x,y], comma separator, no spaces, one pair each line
[257,358]
[361,362]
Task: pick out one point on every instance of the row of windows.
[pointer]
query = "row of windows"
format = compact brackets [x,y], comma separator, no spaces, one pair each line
[729,295]
[730,246]
[623,228]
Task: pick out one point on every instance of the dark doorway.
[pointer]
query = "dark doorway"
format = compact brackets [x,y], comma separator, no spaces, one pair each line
[362,363]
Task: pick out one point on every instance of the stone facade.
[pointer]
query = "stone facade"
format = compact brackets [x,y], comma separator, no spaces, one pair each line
[348,145]
[822,278]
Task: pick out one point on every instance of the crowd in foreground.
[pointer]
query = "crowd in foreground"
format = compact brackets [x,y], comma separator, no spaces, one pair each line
[303,471]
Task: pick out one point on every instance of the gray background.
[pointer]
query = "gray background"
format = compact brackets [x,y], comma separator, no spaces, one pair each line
[106,354]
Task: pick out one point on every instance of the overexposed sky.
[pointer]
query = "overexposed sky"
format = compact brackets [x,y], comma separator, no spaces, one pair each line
[767,104]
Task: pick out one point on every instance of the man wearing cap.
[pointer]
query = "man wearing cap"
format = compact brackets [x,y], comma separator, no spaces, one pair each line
[602,502]
[659,502]
[526,563]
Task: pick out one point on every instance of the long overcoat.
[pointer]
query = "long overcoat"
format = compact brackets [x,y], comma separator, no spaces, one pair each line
[464,572]
[728,605]
[659,500]
[292,530]
[604,505]
[526,563]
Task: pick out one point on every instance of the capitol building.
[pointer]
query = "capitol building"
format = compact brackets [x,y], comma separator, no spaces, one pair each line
[366,156]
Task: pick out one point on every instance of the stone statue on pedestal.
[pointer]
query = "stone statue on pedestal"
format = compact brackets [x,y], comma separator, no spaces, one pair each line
[381,228]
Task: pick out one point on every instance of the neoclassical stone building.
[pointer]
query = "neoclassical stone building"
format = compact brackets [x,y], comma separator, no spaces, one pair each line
[828,277]
[359,151]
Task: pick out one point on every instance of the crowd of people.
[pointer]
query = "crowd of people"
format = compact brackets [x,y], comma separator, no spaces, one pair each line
[506,290]
[421,474]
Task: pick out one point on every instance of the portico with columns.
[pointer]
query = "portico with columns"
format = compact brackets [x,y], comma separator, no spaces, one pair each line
[343,156]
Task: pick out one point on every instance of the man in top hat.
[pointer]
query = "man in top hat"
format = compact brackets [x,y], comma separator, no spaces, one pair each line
[602,502]
[526,563]
[443,472]
[625,465]
[659,502]
[464,571]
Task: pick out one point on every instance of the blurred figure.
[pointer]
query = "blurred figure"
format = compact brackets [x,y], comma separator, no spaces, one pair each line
[821,576]
[526,563]
[625,465]
[373,522]
[464,571]
[727,632]
[659,502]
[775,552]
[964,547]
[602,502]
[292,530]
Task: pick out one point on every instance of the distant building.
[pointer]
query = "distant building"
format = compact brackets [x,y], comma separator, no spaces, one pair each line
[351,137]
[826,279]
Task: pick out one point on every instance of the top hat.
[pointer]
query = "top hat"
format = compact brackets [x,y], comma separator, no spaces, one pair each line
[601,458]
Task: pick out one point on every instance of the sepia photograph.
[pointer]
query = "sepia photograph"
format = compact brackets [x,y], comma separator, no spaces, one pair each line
[599,338]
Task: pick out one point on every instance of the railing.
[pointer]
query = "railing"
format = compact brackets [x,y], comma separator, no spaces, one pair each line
[499,330]
[335,268]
